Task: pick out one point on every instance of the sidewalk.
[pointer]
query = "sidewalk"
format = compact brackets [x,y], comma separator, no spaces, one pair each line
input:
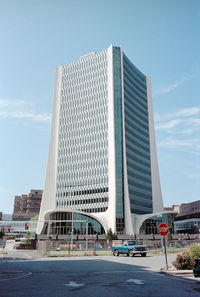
[173,271]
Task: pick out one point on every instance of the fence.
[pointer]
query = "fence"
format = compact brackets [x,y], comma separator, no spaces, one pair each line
[63,248]
[80,247]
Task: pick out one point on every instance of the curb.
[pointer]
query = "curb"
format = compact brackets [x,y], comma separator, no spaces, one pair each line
[175,272]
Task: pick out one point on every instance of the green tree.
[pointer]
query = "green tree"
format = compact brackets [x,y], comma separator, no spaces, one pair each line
[27,241]
[169,236]
[195,250]
[110,235]
[2,234]
[35,218]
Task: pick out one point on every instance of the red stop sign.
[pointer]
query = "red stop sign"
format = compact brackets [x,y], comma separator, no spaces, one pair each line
[163,229]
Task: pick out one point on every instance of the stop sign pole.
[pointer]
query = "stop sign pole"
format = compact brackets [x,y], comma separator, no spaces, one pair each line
[163,230]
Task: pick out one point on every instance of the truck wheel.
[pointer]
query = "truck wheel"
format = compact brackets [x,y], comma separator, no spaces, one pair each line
[143,255]
[115,253]
[130,253]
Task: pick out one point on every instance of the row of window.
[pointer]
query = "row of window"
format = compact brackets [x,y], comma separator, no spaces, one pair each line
[94,210]
[76,93]
[86,192]
[145,209]
[88,210]
[84,182]
[82,155]
[139,77]
[84,82]
[135,166]
[86,201]
[139,186]
[129,75]
[142,203]
[138,161]
[75,147]
[74,135]
[99,173]
[84,131]
[138,211]
[139,177]
[135,116]
[80,185]
[133,99]
[88,118]
[131,105]
[134,133]
[135,91]
[99,147]
[77,69]
[98,98]
[140,193]
[132,123]
[82,107]
[81,166]
[134,148]
[131,139]
[95,96]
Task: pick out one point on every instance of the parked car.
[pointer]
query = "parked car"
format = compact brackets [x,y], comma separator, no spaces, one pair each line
[130,248]
[196,269]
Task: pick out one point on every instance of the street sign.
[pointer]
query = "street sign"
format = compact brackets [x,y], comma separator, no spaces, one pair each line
[163,229]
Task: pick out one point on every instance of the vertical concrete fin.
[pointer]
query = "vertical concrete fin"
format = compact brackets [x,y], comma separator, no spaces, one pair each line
[49,194]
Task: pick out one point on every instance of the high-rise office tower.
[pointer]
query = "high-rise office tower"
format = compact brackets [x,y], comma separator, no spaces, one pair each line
[102,163]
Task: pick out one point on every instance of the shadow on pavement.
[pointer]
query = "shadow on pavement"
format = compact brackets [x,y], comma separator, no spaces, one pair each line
[88,277]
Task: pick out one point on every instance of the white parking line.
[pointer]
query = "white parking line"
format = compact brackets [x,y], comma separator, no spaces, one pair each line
[135,281]
[74,284]
[16,277]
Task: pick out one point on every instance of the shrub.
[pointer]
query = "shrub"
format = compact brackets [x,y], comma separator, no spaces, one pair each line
[183,261]
[2,234]
[195,250]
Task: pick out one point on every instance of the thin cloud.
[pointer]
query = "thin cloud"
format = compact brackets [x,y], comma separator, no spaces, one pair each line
[185,112]
[174,142]
[193,176]
[168,125]
[169,88]
[179,130]
[188,145]
[187,119]
[19,109]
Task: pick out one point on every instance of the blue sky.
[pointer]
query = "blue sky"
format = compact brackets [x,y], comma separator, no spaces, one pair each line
[160,37]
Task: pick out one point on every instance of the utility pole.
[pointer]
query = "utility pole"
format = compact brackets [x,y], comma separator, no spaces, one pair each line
[86,235]
[72,237]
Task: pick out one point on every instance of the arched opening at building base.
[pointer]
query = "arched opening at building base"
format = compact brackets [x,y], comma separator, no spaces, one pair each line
[63,223]
[151,224]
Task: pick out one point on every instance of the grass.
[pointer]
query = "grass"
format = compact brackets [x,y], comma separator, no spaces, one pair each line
[74,253]
[173,250]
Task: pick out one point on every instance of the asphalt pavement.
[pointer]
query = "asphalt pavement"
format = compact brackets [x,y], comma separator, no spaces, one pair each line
[110,276]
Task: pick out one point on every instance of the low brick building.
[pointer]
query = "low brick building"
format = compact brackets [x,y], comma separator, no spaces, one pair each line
[187,219]
[27,206]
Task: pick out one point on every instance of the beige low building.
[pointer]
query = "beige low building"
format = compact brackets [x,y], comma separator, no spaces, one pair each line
[27,206]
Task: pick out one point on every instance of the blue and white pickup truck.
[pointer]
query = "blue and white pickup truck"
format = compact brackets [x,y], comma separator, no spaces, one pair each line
[129,247]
